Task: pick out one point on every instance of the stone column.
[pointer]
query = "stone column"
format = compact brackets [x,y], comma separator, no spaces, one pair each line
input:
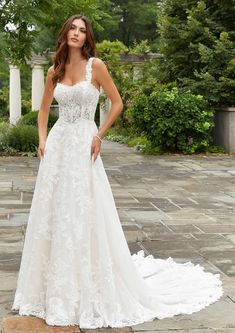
[224,130]
[37,85]
[14,94]
[104,108]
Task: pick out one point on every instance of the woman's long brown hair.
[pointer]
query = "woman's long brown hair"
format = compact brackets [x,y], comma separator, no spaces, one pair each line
[61,55]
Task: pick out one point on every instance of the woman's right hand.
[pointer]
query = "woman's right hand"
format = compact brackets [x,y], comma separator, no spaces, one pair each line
[41,149]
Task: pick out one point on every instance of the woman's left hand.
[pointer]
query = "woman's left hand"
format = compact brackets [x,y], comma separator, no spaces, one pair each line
[95,147]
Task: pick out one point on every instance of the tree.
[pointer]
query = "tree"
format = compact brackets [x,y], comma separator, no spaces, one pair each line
[17,20]
[198,42]
[33,25]
[132,21]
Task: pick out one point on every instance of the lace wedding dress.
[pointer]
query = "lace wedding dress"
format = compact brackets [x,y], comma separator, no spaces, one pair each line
[76,267]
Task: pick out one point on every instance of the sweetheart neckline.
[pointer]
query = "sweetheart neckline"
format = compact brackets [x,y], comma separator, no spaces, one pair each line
[75,84]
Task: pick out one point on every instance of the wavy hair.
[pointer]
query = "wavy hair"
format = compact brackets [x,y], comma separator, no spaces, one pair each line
[61,55]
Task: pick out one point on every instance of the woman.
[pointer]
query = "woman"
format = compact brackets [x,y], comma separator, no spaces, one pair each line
[76,267]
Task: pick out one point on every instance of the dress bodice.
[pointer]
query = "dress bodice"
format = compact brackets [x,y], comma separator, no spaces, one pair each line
[79,100]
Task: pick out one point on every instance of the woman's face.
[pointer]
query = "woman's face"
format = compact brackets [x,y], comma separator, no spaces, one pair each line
[77,34]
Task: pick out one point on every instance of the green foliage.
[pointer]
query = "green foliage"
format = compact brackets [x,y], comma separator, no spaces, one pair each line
[139,142]
[4,92]
[31,119]
[4,103]
[53,15]
[4,66]
[117,138]
[4,131]
[141,47]
[124,136]
[25,106]
[216,81]
[122,74]
[15,138]
[142,144]
[198,43]
[110,51]
[136,20]
[173,120]
[217,149]
[37,23]
[23,138]
[17,25]
[26,25]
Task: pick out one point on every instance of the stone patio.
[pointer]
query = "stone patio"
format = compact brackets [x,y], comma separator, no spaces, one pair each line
[178,206]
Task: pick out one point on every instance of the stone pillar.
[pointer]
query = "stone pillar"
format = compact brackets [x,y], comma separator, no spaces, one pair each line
[14,94]
[104,108]
[37,85]
[224,130]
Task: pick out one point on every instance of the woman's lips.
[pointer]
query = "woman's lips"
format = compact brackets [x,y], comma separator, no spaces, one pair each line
[74,39]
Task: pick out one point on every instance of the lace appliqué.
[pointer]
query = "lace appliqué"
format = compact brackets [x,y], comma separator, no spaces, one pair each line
[78,101]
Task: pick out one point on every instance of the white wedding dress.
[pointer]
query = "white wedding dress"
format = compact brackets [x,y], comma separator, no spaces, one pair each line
[76,267]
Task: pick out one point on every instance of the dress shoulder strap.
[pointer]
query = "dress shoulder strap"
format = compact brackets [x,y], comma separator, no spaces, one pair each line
[89,69]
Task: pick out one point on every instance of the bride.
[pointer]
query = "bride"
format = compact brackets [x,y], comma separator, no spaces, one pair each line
[76,267]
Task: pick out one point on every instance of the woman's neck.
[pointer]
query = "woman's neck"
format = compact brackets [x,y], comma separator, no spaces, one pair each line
[75,56]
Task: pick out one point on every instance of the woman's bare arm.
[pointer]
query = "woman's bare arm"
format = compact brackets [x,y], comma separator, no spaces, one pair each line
[103,77]
[45,106]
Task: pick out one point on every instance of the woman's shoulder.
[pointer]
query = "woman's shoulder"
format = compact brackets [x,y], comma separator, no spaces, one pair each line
[51,70]
[98,63]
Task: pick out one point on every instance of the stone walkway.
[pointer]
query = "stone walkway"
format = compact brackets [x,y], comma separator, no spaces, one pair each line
[178,206]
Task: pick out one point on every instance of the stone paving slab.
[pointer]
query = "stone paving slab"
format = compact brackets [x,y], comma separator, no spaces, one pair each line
[171,205]
[29,324]
[217,316]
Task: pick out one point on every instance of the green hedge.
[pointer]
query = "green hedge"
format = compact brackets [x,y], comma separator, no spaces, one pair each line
[23,138]
[173,120]
[31,119]
[4,132]
[4,101]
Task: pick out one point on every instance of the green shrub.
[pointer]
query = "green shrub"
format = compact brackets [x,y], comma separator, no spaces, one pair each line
[31,119]
[4,101]
[25,106]
[4,119]
[4,131]
[140,143]
[23,138]
[173,120]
